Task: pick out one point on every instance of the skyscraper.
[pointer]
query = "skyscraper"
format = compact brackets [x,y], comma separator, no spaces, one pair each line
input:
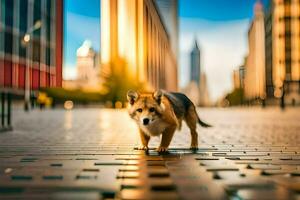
[283,49]
[88,68]
[134,31]
[197,89]
[195,64]
[31,34]
[168,9]
[255,61]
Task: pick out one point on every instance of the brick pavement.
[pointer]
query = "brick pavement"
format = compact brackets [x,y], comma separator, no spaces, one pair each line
[89,154]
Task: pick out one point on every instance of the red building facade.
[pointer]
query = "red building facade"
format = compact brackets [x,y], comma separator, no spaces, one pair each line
[31,44]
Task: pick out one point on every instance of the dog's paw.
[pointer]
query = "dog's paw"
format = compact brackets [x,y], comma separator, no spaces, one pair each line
[142,147]
[162,149]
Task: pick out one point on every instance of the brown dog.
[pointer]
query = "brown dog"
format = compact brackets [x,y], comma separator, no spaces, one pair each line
[161,113]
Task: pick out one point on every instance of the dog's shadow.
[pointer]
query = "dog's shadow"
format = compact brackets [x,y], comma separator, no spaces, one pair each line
[171,151]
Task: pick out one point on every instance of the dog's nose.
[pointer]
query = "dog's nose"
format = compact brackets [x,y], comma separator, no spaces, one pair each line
[146,121]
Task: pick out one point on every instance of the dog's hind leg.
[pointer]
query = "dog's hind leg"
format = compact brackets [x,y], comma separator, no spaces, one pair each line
[191,119]
[179,124]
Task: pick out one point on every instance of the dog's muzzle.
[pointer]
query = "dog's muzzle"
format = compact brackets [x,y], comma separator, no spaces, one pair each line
[146,121]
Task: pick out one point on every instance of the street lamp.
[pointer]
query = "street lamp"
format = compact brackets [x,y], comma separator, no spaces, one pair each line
[27,39]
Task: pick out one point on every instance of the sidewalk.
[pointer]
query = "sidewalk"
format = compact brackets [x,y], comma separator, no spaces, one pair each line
[89,154]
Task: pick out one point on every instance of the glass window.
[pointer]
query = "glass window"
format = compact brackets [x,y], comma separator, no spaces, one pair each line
[52,57]
[9,9]
[23,12]
[288,65]
[2,5]
[48,20]
[8,42]
[9,24]
[23,16]
[37,16]
[48,55]
[288,43]
[36,50]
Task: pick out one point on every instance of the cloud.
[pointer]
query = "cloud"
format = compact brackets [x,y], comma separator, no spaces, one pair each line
[223,46]
[84,27]
[69,72]
[78,29]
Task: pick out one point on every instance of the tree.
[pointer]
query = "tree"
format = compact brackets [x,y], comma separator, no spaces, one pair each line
[117,82]
[236,97]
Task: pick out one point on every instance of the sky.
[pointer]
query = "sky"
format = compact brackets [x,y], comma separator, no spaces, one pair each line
[82,22]
[220,27]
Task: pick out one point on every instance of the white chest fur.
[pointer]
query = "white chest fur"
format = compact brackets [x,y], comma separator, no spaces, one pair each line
[155,128]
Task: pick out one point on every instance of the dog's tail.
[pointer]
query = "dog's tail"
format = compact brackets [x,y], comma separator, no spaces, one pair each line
[203,124]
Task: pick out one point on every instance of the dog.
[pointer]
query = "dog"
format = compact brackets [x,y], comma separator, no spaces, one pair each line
[161,113]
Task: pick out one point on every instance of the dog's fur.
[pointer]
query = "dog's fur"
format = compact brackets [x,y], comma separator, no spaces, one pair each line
[161,113]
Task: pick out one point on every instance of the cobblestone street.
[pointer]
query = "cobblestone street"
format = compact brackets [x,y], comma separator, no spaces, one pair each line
[90,154]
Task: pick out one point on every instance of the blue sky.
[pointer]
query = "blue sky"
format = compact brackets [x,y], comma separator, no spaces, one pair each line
[82,22]
[220,26]
[217,10]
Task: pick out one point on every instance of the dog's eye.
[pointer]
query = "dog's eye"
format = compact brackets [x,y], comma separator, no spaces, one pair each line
[139,110]
[152,109]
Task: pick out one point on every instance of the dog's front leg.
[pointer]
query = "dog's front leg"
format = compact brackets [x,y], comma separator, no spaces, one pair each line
[167,136]
[144,139]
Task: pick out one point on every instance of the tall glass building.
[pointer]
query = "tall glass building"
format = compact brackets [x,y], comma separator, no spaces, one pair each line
[31,33]
[134,31]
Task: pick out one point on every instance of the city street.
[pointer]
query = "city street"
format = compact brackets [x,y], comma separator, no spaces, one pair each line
[249,153]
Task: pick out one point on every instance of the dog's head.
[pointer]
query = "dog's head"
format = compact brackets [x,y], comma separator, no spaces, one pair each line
[145,108]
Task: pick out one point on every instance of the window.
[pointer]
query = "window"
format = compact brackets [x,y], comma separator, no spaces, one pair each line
[9,8]
[23,16]
[23,27]
[36,50]
[288,66]
[52,57]
[288,44]
[8,42]
[48,56]
[8,23]
[37,16]
[48,21]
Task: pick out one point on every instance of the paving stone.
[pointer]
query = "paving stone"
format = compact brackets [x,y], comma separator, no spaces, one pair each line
[83,154]
[220,168]
[263,166]
[133,194]
[264,194]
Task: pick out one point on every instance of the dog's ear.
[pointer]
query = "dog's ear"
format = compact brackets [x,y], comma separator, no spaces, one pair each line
[132,96]
[158,95]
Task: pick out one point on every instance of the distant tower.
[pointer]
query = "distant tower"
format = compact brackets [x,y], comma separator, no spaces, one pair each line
[85,61]
[88,66]
[195,64]
[255,62]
